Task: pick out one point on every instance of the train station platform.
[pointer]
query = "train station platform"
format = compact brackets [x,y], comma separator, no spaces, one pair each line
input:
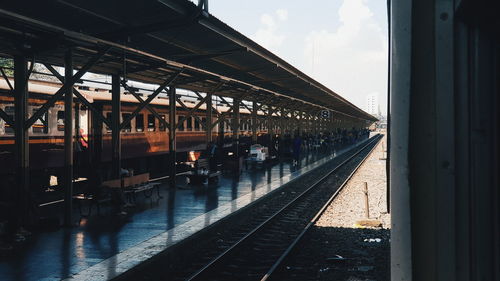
[106,245]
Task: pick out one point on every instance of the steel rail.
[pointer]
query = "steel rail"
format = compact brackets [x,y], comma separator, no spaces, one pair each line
[314,219]
[213,262]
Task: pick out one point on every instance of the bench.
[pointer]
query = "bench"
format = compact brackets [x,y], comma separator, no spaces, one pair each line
[202,172]
[139,183]
[92,201]
[128,185]
[97,198]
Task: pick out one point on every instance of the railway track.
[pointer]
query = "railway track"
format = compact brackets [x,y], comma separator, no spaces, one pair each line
[267,241]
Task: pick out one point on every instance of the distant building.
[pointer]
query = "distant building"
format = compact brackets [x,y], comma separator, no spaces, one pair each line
[372,104]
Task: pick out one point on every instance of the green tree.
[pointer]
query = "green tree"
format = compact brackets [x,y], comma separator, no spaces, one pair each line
[7,65]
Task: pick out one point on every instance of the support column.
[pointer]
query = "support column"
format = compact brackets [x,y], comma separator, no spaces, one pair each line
[77,121]
[116,156]
[236,129]
[254,122]
[68,139]
[21,138]
[282,122]
[270,124]
[300,125]
[209,119]
[96,137]
[171,134]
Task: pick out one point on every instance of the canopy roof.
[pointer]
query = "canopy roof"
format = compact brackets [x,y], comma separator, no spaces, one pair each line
[154,40]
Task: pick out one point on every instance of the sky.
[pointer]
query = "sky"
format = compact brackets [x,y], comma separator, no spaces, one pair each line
[340,43]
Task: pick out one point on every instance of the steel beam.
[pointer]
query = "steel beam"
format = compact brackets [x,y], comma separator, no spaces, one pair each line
[21,137]
[62,90]
[191,111]
[6,118]
[116,154]
[172,134]
[149,99]
[68,138]
[79,95]
[147,106]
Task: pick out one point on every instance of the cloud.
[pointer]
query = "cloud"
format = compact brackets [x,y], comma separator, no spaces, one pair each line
[282,14]
[268,35]
[351,60]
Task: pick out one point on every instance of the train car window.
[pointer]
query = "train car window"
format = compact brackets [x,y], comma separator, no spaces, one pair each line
[108,116]
[10,111]
[162,125]
[128,126]
[196,124]
[189,123]
[204,122]
[60,120]
[151,123]
[139,123]
[181,125]
[40,125]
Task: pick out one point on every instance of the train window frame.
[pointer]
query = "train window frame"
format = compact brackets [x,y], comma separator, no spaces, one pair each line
[60,121]
[161,125]
[9,130]
[197,125]
[127,128]
[139,120]
[189,123]
[180,126]
[203,123]
[43,121]
[109,118]
[151,119]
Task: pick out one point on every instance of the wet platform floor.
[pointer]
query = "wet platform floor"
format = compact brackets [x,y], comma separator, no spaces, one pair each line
[106,245]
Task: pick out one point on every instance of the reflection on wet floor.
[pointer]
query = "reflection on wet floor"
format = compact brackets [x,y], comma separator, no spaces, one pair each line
[63,252]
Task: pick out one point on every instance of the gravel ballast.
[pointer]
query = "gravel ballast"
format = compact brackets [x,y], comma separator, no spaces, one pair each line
[363,253]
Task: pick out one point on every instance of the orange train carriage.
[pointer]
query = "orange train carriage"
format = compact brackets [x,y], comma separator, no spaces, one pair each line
[144,137]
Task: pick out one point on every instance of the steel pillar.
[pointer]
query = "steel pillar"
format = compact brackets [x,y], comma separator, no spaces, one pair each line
[236,128]
[21,137]
[116,155]
[300,123]
[96,136]
[282,122]
[209,115]
[77,122]
[270,124]
[221,129]
[254,121]
[68,138]
[171,134]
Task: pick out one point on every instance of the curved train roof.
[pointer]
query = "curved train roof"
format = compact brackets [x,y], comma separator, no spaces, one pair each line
[157,39]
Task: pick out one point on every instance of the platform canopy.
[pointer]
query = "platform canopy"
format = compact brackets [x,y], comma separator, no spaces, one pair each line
[155,40]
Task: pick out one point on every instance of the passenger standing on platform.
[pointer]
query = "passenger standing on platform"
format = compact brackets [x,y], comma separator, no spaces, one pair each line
[297,145]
